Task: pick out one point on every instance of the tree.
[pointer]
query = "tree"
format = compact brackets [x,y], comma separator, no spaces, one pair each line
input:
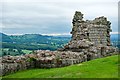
[19,50]
[4,53]
[8,53]
[14,51]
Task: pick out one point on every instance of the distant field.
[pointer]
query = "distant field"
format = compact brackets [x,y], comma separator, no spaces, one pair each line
[13,53]
[27,51]
[98,68]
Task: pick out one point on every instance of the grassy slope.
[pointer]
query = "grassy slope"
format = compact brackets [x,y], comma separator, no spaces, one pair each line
[99,68]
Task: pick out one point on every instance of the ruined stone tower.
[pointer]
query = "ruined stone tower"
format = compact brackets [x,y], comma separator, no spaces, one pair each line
[97,30]
[90,32]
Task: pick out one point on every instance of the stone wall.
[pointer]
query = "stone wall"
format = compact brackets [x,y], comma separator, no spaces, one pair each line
[48,59]
[88,34]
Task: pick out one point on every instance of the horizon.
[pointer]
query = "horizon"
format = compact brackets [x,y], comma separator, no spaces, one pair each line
[64,34]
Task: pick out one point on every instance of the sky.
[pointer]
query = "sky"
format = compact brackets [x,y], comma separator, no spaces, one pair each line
[52,17]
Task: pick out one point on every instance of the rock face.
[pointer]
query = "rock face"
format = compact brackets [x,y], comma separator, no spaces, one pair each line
[90,40]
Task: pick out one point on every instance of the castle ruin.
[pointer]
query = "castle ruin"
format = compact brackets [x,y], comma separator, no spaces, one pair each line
[90,40]
[95,31]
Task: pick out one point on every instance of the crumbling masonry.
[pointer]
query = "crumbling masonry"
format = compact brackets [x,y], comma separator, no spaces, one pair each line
[90,40]
[96,31]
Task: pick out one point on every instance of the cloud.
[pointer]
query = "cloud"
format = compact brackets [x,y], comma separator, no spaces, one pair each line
[85,1]
[52,16]
[115,33]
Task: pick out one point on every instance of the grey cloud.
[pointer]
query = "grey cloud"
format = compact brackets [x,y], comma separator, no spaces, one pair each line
[52,16]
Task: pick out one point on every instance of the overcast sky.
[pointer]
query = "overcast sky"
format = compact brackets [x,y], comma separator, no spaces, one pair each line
[52,16]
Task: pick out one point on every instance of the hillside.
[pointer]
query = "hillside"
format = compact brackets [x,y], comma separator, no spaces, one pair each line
[99,68]
[32,41]
[30,38]
[5,38]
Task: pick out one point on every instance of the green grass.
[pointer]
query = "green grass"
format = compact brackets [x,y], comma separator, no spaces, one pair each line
[27,51]
[12,52]
[99,68]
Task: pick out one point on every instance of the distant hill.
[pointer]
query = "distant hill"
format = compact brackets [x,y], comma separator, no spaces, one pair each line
[30,38]
[33,41]
[27,38]
[5,38]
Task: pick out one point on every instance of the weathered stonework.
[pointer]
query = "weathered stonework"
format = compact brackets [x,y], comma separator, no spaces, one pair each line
[89,33]
[90,40]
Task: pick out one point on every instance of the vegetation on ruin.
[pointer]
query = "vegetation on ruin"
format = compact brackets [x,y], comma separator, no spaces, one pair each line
[99,68]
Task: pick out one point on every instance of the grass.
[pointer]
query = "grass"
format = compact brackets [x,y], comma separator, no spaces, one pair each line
[27,51]
[98,68]
[6,49]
